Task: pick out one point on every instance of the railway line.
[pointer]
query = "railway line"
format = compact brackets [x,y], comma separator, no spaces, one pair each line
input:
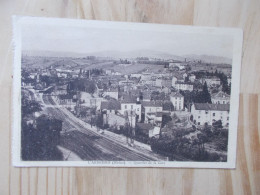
[90,145]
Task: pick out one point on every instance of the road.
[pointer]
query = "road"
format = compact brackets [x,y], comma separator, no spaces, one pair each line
[91,145]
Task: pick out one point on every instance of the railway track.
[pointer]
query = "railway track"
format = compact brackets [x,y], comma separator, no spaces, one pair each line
[80,140]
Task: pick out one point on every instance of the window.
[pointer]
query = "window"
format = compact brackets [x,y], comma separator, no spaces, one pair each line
[125,106]
[137,109]
[198,123]
[227,118]
[206,112]
[213,114]
[132,107]
[198,116]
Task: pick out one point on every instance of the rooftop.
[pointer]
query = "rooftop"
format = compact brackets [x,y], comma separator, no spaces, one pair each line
[176,94]
[151,104]
[144,126]
[206,106]
[110,105]
[220,94]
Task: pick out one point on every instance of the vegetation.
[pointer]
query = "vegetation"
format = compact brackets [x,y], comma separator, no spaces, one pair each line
[81,85]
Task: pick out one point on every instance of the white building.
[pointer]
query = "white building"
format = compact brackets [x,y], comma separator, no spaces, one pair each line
[113,93]
[211,81]
[179,85]
[192,77]
[184,75]
[158,82]
[177,100]
[150,110]
[208,113]
[174,80]
[131,106]
[220,98]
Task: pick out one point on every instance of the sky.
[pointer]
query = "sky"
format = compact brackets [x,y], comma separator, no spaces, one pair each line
[65,38]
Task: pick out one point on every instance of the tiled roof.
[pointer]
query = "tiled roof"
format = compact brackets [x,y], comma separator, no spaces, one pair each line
[220,94]
[128,99]
[151,104]
[176,94]
[110,105]
[66,96]
[206,106]
[144,126]
[185,83]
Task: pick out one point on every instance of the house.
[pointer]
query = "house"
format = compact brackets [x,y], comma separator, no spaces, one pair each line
[229,80]
[61,90]
[208,113]
[108,72]
[110,112]
[135,75]
[149,110]
[113,93]
[177,100]
[158,82]
[147,130]
[220,98]
[131,106]
[112,106]
[146,96]
[211,81]
[67,99]
[178,65]
[158,118]
[180,85]
[174,80]
[192,78]
[166,82]
[146,76]
[184,75]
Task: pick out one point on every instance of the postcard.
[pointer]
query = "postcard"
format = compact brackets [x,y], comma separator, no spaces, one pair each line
[117,94]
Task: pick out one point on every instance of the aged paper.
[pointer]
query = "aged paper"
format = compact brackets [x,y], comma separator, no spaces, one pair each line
[115,94]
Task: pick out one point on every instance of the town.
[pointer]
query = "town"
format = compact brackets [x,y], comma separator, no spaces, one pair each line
[176,108]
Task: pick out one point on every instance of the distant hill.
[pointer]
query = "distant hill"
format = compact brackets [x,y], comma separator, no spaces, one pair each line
[106,54]
[132,54]
[137,53]
[209,59]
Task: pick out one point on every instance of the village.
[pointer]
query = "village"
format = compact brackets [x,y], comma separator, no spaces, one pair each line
[165,100]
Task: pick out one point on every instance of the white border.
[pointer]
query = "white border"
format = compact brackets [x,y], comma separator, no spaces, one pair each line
[18,21]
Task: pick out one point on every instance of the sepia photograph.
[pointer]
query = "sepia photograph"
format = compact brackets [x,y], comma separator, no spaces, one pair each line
[117,94]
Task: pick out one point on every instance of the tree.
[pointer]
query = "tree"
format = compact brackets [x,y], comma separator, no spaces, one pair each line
[206,97]
[99,122]
[166,119]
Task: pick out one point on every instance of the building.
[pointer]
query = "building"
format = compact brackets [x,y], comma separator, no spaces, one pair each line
[113,93]
[111,115]
[208,113]
[174,80]
[158,82]
[67,100]
[61,90]
[147,130]
[211,81]
[220,98]
[184,75]
[192,78]
[179,85]
[132,106]
[150,109]
[112,106]
[177,100]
